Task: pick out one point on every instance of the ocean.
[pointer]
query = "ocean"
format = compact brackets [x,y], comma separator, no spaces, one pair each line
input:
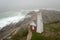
[11,17]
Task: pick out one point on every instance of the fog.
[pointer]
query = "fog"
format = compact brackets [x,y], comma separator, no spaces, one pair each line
[28,4]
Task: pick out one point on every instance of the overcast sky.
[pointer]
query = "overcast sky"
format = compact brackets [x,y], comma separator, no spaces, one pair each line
[28,4]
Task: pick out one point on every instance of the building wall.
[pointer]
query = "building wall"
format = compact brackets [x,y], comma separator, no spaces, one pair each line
[37,18]
[39,23]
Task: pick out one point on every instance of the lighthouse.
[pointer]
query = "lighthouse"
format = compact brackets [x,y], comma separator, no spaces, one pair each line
[39,22]
[36,23]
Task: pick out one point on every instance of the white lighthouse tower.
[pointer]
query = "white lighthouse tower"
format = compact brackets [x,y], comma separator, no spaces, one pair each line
[39,23]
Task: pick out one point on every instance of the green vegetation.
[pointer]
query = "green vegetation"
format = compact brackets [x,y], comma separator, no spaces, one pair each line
[51,32]
[37,36]
[20,35]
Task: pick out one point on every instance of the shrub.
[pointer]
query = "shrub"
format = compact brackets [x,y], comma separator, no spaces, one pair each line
[20,34]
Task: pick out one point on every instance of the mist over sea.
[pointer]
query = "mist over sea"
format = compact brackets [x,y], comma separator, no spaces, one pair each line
[11,17]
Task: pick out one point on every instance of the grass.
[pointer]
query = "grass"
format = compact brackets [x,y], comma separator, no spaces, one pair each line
[51,32]
[37,36]
[20,35]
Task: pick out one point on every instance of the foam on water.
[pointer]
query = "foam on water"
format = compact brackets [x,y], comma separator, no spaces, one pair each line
[11,19]
[5,21]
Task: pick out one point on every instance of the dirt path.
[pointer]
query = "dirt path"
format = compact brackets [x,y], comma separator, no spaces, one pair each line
[29,34]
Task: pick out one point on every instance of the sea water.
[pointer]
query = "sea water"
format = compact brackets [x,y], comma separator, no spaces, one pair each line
[11,17]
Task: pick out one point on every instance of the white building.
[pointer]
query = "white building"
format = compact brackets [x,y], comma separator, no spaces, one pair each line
[39,23]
